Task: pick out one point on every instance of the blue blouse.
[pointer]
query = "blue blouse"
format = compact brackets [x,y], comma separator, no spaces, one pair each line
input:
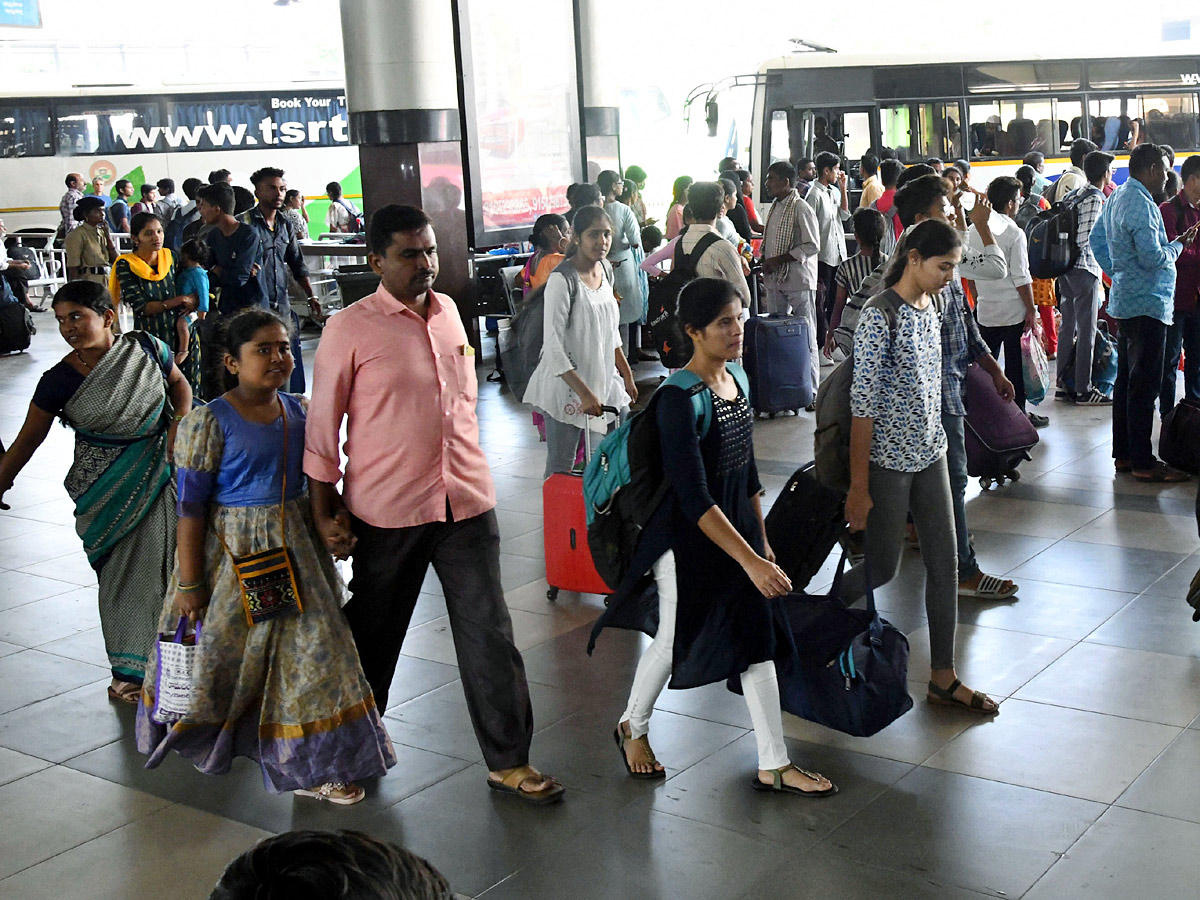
[193,280]
[246,471]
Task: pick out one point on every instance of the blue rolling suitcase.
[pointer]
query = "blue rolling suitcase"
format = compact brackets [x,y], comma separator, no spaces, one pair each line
[776,357]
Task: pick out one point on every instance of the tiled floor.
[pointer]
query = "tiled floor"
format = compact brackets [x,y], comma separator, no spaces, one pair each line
[1085,785]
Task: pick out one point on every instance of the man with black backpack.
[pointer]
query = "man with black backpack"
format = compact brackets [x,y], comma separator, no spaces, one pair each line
[1079,289]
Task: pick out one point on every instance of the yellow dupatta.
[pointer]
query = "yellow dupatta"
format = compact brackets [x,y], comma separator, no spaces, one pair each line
[141,269]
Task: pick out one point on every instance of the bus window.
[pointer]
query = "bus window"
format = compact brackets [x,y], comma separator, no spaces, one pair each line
[856,134]
[25,131]
[108,126]
[1013,128]
[780,147]
[896,131]
[1112,122]
[938,130]
[1168,120]
[1068,116]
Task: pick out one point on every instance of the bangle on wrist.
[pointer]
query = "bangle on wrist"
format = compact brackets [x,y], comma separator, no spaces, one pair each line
[189,588]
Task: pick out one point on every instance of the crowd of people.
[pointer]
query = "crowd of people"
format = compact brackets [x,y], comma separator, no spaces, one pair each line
[210,491]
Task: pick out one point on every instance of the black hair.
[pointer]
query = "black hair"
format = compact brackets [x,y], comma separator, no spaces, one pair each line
[706,198]
[869,226]
[1144,157]
[120,185]
[1190,167]
[635,173]
[197,251]
[729,186]
[147,188]
[1034,158]
[166,185]
[606,181]
[234,332]
[918,195]
[889,171]
[934,161]
[680,188]
[542,224]
[800,163]
[1003,190]
[219,195]
[70,180]
[1024,174]
[291,192]
[1173,185]
[687,213]
[1168,152]
[1079,151]
[141,220]
[887,153]
[784,169]
[918,170]
[963,166]
[334,190]
[930,238]
[571,189]
[585,194]
[242,199]
[323,865]
[728,164]
[585,217]
[702,299]
[743,175]
[652,235]
[218,175]
[391,220]
[84,293]
[264,173]
[1096,163]
[826,160]
[869,165]
[628,192]
[190,186]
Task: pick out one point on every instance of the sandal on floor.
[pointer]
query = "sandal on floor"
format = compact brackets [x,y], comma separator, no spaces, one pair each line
[1162,474]
[340,793]
[989,588]
[125,692]
[778,786]
[511,784]
[620,737]
[945,697]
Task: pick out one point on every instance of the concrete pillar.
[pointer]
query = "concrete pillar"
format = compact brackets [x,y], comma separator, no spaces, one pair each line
[600,88]
[402,93]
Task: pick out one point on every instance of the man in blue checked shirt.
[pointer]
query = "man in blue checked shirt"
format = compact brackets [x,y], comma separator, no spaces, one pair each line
[1130,243]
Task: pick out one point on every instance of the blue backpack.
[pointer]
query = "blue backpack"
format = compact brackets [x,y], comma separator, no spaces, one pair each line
[624,483]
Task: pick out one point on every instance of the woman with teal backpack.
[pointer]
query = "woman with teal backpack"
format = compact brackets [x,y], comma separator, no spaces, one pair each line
[717,616]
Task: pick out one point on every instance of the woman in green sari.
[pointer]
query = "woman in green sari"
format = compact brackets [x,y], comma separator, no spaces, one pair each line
[124,396]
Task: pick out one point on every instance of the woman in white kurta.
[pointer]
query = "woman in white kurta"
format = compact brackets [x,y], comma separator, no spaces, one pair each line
[582,367]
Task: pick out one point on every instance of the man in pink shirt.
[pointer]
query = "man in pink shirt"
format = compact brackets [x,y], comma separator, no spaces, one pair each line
[417,490]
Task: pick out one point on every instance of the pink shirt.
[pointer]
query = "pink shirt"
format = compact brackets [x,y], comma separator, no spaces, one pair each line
[407,388]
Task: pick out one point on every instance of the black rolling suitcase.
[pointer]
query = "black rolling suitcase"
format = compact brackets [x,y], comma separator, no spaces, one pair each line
[777,359]
[16,328]
[803,526]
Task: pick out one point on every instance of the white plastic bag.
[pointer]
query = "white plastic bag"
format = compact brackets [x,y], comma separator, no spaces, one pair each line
[175,689]
[1035,366]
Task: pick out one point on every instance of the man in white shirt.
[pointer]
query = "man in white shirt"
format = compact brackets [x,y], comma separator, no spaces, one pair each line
[829,199]
[720,259]
[791,242]
[1005,308]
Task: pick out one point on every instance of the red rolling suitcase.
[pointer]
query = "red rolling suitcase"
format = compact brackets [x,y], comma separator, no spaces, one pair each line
[569,565]
[998,435]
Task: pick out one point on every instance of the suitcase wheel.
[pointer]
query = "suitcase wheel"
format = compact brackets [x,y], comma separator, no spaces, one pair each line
[552,594]
[985,484]
[1014,475]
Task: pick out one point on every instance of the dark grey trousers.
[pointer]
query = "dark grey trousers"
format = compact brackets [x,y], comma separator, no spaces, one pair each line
[389,567]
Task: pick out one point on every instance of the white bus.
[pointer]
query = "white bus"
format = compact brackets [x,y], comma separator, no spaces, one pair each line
[990,113]
[302,129]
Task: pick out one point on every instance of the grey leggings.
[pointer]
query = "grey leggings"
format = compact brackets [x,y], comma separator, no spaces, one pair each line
[927,495]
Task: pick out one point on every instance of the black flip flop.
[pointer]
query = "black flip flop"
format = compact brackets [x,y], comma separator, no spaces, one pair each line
[778,786]
[656,775]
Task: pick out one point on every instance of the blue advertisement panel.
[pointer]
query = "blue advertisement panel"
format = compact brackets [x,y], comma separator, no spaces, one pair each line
[20,13]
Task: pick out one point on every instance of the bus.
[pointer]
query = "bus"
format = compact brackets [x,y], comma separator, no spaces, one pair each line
[990,113]
[300,128]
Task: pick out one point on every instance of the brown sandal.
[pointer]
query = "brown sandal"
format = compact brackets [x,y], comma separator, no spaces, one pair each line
[979,700]
[125,692]
[511,784]
[620,737]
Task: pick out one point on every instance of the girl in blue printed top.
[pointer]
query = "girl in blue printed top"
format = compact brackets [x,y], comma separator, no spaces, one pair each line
[898,445]
[718,611]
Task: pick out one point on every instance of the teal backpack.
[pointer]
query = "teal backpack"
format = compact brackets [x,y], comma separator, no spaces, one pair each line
[624,483]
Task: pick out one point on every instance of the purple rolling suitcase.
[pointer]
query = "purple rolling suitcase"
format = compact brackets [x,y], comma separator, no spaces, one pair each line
[998,435]
[776,357]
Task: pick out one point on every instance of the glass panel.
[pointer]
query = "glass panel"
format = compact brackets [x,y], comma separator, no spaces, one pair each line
[1068,116]
[105,126]
[1115,74]
[1012,128]
[780,137]
[1112,121]
[1007,78]
[25,131]
[856,133]
[1168,120]
[898,82]
[895,131]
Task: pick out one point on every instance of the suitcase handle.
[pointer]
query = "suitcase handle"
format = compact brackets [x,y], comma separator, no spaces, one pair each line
[587,440]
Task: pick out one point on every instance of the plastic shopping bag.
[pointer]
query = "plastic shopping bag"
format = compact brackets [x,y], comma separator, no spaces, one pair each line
[1035,366]
[175,688]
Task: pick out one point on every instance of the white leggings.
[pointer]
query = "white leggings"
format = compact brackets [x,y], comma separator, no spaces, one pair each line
[759,683]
